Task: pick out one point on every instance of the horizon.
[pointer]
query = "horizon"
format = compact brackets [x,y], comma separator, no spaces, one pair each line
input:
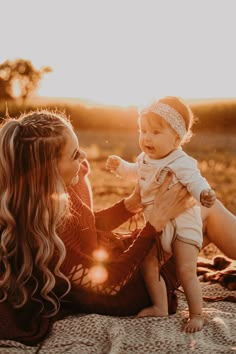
[94,103]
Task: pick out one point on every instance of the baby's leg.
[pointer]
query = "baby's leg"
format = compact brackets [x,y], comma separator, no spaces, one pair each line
[186,264]
[156,287]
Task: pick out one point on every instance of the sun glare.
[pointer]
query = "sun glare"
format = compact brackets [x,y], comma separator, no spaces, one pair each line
[125,53]
[100,255]
[16,88]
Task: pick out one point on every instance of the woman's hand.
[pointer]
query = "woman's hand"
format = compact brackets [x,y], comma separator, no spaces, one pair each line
[133,202]
[169,203]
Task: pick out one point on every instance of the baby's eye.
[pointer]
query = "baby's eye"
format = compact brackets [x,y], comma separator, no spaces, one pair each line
[156,131]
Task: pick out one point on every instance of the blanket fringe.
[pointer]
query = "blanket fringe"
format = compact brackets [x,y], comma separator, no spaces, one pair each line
[229,298]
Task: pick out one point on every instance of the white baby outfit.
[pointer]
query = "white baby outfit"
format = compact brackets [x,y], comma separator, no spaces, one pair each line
[150,173]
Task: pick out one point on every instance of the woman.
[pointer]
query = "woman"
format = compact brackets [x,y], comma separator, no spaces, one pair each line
[51,241]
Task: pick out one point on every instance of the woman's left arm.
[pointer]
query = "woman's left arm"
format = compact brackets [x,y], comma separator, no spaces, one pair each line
[110,218]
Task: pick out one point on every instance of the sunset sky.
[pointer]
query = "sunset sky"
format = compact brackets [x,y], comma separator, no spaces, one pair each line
[125,51]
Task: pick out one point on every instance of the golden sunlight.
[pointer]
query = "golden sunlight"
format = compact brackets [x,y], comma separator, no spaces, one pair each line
[123,55]
[16,88]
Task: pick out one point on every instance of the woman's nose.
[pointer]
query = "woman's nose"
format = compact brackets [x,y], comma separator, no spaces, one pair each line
[83,156]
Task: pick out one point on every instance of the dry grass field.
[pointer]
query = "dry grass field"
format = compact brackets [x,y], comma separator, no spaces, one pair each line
[113,130]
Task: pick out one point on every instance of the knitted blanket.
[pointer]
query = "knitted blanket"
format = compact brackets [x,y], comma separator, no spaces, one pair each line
[123,335]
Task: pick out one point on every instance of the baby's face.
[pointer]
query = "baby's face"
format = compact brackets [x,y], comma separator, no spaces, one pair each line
[156,137]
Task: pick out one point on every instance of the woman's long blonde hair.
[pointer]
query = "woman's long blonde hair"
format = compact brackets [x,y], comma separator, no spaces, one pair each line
[31,252]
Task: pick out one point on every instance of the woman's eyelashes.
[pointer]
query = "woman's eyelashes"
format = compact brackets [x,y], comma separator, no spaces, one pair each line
[77,155]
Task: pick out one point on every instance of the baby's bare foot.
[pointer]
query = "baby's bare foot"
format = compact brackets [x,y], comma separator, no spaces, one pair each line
[194,324]
[152,311]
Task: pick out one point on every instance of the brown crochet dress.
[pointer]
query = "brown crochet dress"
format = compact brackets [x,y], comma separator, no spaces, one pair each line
[123,293]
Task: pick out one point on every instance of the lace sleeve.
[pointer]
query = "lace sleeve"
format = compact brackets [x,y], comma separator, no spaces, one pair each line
[81,239]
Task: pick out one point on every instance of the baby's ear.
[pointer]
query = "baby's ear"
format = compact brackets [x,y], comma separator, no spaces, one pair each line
[177,141]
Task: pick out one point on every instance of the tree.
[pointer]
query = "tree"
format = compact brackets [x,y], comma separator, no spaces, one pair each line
[19,78]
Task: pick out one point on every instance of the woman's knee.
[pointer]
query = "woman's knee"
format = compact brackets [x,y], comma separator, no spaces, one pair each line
[219,228]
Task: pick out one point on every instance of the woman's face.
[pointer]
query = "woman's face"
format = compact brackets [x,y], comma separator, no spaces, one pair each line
[71,158]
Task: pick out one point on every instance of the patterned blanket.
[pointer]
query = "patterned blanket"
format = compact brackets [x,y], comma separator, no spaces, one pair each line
[88,334]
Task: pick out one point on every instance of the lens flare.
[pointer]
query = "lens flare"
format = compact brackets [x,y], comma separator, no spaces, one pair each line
[100,255]
[98,274]
[60,197]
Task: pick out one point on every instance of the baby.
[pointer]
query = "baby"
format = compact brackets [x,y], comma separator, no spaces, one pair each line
[164,127]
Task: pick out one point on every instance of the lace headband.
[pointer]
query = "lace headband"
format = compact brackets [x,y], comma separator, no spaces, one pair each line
[170,115]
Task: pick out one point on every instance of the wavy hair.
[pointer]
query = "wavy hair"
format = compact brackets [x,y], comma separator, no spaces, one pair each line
[31,208]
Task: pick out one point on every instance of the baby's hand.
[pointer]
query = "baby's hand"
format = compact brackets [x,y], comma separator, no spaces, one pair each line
[207,197]
[113,162]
